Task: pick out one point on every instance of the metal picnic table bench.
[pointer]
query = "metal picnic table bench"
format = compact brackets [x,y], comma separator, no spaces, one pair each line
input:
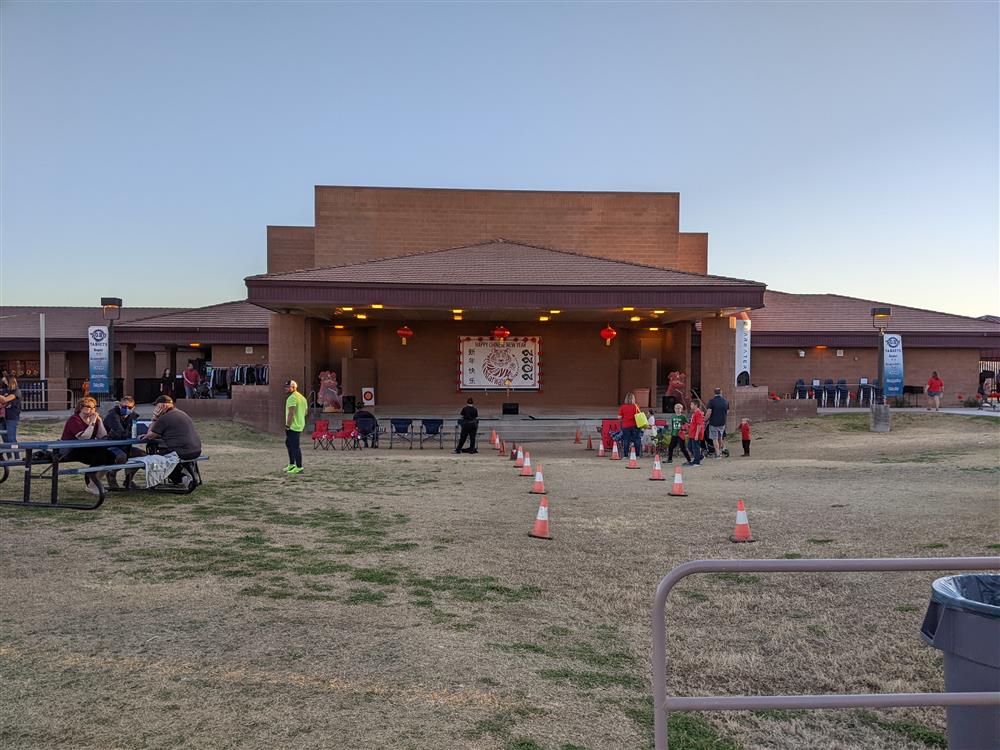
[58,449]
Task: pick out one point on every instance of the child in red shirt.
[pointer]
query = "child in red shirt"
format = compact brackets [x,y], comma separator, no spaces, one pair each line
[745,434]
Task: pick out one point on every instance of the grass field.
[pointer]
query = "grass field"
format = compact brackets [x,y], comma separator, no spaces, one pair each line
[394,599]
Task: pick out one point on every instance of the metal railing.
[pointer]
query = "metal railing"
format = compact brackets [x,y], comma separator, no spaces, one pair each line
[662,704]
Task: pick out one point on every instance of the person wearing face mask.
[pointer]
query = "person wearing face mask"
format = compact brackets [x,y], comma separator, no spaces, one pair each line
[118,422]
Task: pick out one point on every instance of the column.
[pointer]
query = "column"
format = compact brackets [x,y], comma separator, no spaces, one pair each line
[58,382]
[286,346]
[718,356]
[127,368]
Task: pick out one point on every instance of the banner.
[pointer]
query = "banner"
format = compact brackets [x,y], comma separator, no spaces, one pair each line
[892,374]
[489,364]
[97,345]
[742,352]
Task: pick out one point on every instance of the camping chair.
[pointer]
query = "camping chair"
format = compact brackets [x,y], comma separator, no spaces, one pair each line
[864,390]
[347,434]
[321,434]
[817,391]
[829,393]
[800,389]
[431,429]
[401,429]
[843,394]
[367,431]
[607,427]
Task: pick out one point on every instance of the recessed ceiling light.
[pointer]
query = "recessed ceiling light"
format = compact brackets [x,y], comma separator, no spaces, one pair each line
[627,309]
[347,309]
[635,318]
[654,328]
[554,312]
[658,312]
[543,318]
[457,317]
[339,325]
[361,316]
[457,312]
[376,307]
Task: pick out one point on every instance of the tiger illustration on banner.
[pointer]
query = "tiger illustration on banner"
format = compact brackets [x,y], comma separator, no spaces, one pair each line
[491,364]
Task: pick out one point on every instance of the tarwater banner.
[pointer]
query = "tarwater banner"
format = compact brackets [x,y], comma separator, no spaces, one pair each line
[512,364]
[742,352]
[892,374]
[97,345]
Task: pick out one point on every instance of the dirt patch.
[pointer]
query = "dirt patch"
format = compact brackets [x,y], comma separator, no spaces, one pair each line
[394,598]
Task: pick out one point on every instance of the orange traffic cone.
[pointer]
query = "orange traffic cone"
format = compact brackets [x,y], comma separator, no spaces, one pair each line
[614,453]
[632,462]
[742,532]
[526,468]
[513,451]
[538,488]
[678,489]
[600,449]
[493,436]
[590,443]
[577,441]
[519,461]
[541,530]
[502,449]
[657,470]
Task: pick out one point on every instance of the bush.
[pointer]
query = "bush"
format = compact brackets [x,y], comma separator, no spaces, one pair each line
[971,402]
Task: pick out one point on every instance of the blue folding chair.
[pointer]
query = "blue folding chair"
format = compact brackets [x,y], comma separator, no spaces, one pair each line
[431,429]
[401,429]
[801,391]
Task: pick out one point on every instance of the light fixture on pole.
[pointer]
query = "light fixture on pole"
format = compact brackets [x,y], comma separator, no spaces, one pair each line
[111,310]
[880,412]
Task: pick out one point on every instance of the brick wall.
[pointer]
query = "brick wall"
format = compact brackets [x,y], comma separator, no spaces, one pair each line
[289,249]
[359,224]
[718,356]
[779,367]
[287,354]
[637,374]
[227,355]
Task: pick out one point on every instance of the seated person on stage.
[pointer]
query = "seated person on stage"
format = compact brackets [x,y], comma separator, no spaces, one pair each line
[172,431]
[86,424]
[363,413]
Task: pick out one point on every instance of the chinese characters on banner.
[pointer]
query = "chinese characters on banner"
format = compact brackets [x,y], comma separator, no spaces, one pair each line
[485,363]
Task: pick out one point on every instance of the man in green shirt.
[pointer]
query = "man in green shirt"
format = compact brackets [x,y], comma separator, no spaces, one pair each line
[295,421]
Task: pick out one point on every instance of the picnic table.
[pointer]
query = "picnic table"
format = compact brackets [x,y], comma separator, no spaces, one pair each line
[31,457]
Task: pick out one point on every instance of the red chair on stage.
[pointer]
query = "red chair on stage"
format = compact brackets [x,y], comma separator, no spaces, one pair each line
[347,434]
[321,435]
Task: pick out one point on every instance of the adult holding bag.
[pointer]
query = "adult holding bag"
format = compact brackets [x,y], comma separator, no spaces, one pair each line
[629,413]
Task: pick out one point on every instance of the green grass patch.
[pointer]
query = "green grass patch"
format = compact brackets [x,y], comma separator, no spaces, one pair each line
[588,680]
[365,596]
[380,576]
[779,714]
[817,630]
[687,731]
[523,743]
[993,546]
[735,578]
[932,545]
[907,608]
[792,555]
[695,596]
[820,540]
[911,730]
[481,589]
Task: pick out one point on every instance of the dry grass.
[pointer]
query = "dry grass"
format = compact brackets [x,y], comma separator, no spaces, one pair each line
[395,600]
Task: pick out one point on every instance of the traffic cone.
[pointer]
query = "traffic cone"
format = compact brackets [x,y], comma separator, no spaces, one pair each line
[538,488]
[632,462]
[678,489]
[541,529]
[600,449]
[614,452]
[513,451]
[502,449]
[657,470]
[577,441]
[590,443]
[742,531]
[519,461]
[493,436]
[526,468]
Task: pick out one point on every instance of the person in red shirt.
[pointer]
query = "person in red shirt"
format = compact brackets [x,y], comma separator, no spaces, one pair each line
[934,389]
[84,425]
[631,434]
[696,434]
[745,435]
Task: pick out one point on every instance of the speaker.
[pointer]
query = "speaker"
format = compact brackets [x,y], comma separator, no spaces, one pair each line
[509,408]
[350,404]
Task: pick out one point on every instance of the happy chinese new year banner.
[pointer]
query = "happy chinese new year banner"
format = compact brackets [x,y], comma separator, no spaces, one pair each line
[511,364]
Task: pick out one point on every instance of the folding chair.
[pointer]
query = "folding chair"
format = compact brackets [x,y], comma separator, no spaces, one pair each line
[347,434]
[367,430]
[401,429]
[607,427]
[829,393]
[863,390]
[431,429]
[817,391]
[321,434]
[843,394]
[800,389]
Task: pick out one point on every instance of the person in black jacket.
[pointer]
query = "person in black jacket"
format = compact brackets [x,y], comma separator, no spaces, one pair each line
[118,423]
[470,425]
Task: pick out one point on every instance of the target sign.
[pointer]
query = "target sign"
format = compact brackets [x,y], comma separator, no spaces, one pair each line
[368,396]
[512,364]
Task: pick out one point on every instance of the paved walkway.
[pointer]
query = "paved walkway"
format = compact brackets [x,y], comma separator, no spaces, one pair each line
[960,410]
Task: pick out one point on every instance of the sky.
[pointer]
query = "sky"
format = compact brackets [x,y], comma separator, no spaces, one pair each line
[844,147]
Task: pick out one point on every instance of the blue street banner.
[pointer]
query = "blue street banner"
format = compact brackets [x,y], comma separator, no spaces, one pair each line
[892,374]
[97,345]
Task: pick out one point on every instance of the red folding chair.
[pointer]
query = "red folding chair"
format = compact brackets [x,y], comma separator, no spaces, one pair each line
[321,434]
[347,434]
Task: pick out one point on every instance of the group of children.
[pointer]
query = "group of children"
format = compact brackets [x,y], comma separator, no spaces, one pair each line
[688,434]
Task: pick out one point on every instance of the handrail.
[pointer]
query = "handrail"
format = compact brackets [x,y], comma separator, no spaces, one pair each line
[662,704]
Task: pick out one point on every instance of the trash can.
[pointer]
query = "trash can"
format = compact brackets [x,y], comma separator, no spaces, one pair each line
[963,621]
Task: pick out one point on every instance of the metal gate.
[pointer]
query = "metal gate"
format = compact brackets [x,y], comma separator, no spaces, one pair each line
[662,704]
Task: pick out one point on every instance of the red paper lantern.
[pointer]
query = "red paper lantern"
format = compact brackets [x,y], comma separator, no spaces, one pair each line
[404,333]
[501,332]
[608,334]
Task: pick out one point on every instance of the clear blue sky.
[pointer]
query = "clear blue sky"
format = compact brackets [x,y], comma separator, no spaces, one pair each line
[841,147]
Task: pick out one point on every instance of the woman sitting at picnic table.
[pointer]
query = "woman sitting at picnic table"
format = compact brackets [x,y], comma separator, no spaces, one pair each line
[86,424]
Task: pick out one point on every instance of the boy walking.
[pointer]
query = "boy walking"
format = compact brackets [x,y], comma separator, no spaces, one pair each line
[295,422]
[677,422]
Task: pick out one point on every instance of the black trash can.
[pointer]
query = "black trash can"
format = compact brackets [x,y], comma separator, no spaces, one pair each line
[963,621]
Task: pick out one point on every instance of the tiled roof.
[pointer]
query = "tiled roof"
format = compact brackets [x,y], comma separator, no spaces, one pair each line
[504,263]
[833,313]
[64,322]
[240,314]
